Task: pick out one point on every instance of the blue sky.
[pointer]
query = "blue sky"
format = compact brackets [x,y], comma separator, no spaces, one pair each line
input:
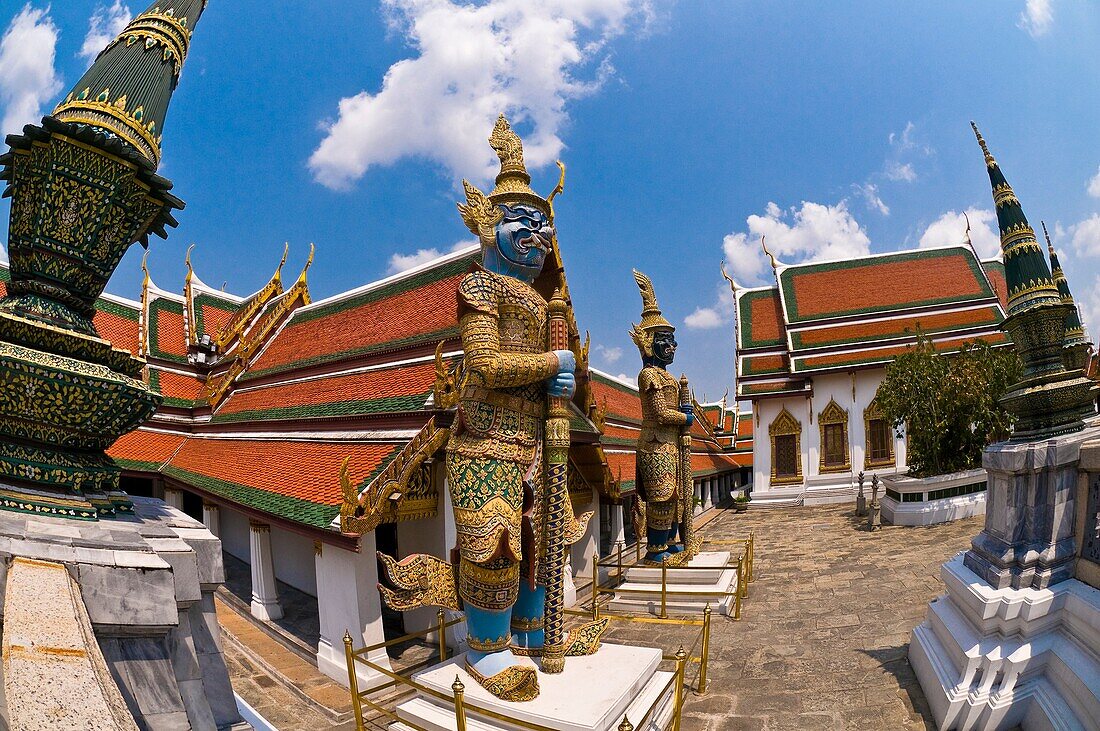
[688,129]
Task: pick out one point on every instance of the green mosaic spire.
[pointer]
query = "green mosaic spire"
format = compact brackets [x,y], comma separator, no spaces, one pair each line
[1029,280]
[1076,345]
[127,90]
[84,188]
[1054,396]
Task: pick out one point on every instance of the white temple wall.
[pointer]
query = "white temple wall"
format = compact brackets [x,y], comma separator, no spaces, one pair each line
[234,534]
[293,557]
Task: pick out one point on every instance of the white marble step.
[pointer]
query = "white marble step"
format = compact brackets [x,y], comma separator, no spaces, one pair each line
[591,695]
[706,568]
[432,715]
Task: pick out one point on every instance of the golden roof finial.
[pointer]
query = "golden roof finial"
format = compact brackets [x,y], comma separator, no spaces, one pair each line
[728,278]
[771,257]
[558,189]
[989,161]
[187,261]
[145,269]
[279,269]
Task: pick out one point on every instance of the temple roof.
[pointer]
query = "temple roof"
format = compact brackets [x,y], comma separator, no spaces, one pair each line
[839,315]
[305,385]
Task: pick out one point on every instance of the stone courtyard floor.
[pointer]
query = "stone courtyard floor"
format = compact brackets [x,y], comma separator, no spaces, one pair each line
[823,637]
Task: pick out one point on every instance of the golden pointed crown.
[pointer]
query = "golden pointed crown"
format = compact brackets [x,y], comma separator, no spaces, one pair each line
[652,319]
[480,213]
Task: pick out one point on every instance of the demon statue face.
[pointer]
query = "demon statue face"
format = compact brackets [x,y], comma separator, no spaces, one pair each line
[522,240]
[664,348]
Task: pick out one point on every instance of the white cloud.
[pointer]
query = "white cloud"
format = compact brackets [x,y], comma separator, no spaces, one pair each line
[1088,304]
[869,191]
[1093,186]
[899,172]
[632,380]
[103,27]
[1086,236]
[903,142]
[704,318]
[609,355]
[950,229]
[27,74]
[812,232]
[403,262]
[525,59]
[1037,17]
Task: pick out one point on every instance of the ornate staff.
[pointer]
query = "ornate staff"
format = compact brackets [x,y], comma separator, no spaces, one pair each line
[687,488]
[557,493]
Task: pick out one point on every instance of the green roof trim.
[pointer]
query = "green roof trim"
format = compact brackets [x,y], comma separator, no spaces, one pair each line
[411,340]
[354,407]
[155,308]
[744,313]
[119,310]
[136,465]
[790,302]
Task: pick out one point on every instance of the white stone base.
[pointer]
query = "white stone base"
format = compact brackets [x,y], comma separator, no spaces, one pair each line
[592,694]
[931,512]
[689,590]
[1000,658]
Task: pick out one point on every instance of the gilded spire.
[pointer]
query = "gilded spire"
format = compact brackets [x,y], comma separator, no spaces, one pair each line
[989,161]
[1026,271]
[513,183]
[652,319]
[1075,329]
[125,94]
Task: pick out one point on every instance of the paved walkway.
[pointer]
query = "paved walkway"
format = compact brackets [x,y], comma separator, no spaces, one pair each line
[824,632]
[821,644]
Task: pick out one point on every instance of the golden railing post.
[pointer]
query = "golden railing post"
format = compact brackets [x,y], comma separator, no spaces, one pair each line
[743,587]
[595,587]
[442,620]
[637,549]
[752,554]
[664,591]
[626,725]
[737,591]
[353,682]
[704,661]
[619,561]
[681,661]
[460,703]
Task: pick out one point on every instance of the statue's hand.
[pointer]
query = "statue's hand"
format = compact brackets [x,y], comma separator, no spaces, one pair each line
[562,385]
[689,413]
[567,362]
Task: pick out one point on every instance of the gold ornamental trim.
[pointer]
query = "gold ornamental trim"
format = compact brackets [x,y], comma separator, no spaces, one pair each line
[118,121]
[158,28]
[833,414]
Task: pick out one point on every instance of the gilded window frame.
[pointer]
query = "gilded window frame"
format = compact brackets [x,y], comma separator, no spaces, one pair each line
[871,413]
[834,413]
[785,424]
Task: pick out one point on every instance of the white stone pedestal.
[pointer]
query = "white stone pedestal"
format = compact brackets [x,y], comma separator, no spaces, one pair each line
[999,658]
[689,590]
[593,694]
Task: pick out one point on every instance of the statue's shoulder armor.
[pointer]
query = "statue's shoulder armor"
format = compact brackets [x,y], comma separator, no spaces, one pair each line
[653,378]
[479,291]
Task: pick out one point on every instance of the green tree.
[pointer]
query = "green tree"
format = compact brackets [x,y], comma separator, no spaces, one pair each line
[949,403]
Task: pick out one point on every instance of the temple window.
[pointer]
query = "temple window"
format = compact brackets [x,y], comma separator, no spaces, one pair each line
[880,437]
[833,422]
[785,432]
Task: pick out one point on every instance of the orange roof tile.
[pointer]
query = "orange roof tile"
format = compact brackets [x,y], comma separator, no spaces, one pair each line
[303,470]
[619,401]
[121,332]
[390,389]
[174,385]
[873,284]
[761,315]
[422,306]
[144,446]
[932,322]
[872,355]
